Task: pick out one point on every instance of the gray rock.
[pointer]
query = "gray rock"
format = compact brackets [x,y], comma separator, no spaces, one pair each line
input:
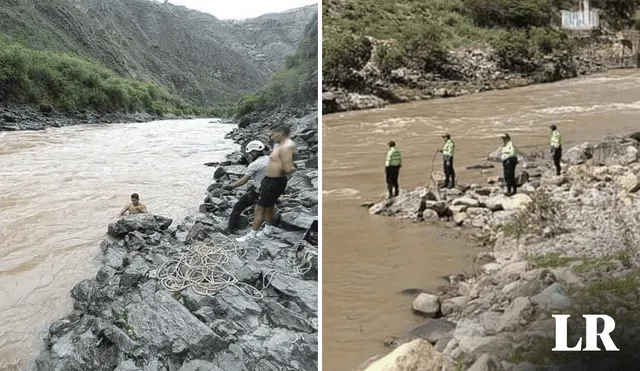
[434,331]
[128,365]
[199,365]
[426,304]
[134,272]
[145,223]
[298,182]
[161,321]
[553,297]
[304,293]
[517,314]
[485,363]
[283,317]
[298,218]
[113,257]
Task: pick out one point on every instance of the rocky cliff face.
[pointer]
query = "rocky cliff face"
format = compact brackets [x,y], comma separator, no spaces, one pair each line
[204,59]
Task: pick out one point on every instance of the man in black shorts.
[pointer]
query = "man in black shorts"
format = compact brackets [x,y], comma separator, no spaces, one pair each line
[281,165]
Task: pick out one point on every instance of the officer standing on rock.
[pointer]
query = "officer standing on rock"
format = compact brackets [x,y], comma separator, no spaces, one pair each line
[447,159]
[556,147]
[392,169]
[509,163]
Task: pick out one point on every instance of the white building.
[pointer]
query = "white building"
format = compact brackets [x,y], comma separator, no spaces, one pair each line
[583,19]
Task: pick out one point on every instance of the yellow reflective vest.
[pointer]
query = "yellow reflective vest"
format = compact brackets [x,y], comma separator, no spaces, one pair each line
[449,148]
[508,150]
[556,139]
[394,157]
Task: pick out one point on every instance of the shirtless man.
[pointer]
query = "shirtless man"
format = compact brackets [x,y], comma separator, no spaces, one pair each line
[135,207]
[281,165]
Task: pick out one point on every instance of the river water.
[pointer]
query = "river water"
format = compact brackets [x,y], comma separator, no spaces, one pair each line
[367,260]
[60,188]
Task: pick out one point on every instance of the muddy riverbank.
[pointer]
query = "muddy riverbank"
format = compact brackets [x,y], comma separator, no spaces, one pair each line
[368,274]
[563,244]
[29,117]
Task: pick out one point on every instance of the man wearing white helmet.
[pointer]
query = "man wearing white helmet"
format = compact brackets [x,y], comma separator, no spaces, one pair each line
[255,172]
[281,165]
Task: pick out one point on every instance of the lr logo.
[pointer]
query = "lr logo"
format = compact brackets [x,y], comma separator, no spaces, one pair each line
[591,333]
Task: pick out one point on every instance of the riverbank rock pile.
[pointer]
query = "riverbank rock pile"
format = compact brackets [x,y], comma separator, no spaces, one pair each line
[465,71]
[24,117]
[147,309]
[190,298]
[565,244]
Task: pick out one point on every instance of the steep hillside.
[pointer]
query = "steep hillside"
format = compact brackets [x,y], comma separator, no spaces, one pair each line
[295,86]
[376,53]
[205,60]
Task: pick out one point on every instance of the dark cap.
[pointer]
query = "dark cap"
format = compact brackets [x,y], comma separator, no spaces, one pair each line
[553,127]
[505,136]
[446,135]
[392,143]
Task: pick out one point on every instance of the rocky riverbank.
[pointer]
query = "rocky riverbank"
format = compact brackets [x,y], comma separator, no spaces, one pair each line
[564,244]
[466,72]
[28,117]
[187,297]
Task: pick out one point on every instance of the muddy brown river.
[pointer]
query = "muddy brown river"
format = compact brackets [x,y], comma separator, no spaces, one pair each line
[60,188]
[367,260]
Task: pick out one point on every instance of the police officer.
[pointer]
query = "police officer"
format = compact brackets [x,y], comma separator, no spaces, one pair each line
[447,160]
[392,169]
[556,147]
[509,163]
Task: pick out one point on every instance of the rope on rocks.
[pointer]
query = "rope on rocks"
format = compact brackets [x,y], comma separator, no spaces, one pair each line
[300,264]
[202,267]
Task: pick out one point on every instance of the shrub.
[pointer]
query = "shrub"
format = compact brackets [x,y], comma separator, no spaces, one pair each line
[342,53]
[509,13]
[423,43]
[542,212]
[388,57]
[68,82]
[514,51]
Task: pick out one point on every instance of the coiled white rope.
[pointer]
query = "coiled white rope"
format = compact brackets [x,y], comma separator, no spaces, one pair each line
[202,267]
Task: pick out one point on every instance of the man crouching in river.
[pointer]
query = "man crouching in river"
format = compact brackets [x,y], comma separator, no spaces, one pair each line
[274,183]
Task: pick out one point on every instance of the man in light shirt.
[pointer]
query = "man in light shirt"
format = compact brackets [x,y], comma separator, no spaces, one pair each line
[255,173]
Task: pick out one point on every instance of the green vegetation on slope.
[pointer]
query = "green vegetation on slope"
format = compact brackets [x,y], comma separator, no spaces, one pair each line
[421,31]
[200,58]
[295,85]
[71,83]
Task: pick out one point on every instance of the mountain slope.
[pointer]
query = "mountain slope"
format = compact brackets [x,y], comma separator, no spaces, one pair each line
[205,60]
[295,86]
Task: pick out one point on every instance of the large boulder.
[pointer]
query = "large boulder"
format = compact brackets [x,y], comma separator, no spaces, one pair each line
[628,182]
[164,323]
[407,205]
[144,223]
[417,355]
[578,154]
[615,151]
